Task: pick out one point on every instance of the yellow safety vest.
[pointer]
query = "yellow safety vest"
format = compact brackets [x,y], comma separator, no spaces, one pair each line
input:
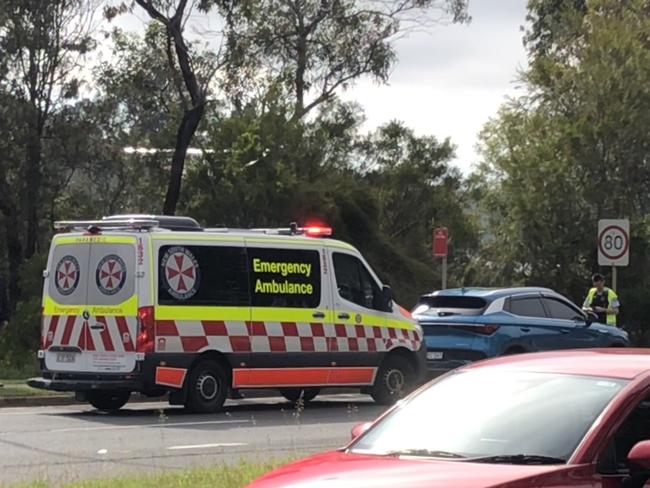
[611,298]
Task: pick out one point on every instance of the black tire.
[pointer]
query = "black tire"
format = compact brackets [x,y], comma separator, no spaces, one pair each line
[110,401]
[294,394]
[207,388]
[395,379]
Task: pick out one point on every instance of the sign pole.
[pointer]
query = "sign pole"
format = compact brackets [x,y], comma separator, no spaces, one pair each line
[614,278]
[444,272]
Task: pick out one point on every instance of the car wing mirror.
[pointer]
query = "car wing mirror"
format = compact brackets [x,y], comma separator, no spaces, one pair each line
[638,459]
[360,429]
[591,317]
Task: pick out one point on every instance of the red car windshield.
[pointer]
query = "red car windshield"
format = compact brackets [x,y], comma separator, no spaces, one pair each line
[515,416]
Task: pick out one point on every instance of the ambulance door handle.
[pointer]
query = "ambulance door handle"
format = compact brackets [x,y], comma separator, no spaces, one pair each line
[318,315]
[344,315]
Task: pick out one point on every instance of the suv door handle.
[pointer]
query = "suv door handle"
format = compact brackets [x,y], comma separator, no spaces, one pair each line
[524,329]
[318,315]
[343,315]
[564,331]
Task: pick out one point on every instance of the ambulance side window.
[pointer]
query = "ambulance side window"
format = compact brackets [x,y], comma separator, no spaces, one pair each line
[203,276]
[284,277]
[354,282]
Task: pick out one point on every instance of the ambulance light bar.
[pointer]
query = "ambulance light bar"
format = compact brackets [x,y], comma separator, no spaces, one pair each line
[294,230]
[96,225]
[317,231]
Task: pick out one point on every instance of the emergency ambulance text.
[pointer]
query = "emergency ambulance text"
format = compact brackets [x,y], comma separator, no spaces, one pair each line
[283,268]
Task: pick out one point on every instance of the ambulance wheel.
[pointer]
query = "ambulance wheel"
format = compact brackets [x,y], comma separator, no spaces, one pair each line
[207,388]
[110,401]
[295,394]
[394,380]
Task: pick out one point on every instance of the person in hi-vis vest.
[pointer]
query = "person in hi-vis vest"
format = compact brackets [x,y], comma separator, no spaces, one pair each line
[602,301]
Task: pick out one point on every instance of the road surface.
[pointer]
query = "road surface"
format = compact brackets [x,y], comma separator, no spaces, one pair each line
[69,443]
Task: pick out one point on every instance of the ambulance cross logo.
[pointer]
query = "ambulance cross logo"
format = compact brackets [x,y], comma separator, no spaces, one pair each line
[67,275]
[111,274]
[181,271]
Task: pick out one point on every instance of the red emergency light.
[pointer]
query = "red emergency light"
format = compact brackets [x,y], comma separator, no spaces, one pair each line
[317,231]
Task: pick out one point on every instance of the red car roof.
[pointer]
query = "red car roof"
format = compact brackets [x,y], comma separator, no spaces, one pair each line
[622,363]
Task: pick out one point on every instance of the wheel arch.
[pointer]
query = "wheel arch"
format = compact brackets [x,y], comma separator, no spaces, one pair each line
[216,356]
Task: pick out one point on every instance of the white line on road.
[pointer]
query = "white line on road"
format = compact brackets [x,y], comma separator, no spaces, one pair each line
[146,426]
[204,446]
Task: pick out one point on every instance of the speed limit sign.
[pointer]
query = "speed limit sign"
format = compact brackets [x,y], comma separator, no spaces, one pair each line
[613,242]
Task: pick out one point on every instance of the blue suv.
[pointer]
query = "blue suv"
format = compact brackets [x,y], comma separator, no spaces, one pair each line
[470,324]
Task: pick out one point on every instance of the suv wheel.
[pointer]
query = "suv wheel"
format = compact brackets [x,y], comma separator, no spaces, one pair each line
[295,394]
[109,401]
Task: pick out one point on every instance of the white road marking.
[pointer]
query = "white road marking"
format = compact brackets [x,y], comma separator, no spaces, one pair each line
[147,426]
[204,446]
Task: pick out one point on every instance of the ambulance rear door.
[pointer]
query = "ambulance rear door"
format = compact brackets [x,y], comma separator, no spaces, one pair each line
[90,314]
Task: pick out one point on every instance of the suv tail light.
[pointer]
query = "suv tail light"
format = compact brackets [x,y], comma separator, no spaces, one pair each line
[486,330]
[146,330]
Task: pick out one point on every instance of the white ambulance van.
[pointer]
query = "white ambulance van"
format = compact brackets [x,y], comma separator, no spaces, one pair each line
[158,304]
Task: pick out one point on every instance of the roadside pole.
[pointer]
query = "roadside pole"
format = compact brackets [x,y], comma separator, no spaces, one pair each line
[440,250]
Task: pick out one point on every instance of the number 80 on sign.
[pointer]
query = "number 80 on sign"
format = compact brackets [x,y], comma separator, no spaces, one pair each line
[613,242]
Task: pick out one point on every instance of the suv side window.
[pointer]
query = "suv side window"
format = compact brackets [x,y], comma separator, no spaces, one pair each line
[560,310]
[203,276]
[285,277]
[355,283]
[527,307]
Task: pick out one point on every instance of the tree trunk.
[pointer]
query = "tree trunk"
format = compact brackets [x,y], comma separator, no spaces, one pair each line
[32,189]
[14,251]
[186,131]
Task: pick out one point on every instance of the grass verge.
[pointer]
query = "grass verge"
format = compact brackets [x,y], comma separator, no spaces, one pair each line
[224,476]
[18,388]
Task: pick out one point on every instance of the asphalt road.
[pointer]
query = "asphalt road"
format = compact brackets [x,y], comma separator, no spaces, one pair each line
[77,442]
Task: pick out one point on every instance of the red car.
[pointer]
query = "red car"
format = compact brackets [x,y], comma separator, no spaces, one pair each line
[558,419]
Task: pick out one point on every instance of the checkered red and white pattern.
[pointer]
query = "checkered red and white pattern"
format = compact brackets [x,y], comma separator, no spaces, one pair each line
[238,336]
[117,334]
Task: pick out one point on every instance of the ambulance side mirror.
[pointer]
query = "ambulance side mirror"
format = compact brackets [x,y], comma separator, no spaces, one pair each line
[387,295]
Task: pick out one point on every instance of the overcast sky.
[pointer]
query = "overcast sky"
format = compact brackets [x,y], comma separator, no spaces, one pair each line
[450,81]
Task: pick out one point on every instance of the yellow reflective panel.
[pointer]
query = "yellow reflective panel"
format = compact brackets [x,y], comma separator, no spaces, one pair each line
[170,312]
[126,308]
[97,239]
[373,320]
[264,314]
[197,238]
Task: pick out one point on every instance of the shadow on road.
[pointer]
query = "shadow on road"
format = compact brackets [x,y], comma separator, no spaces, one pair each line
[236,413]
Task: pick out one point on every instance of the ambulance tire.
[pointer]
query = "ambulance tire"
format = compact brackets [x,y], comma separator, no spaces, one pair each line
[207,388]
[109,401]
[394,380]
[295,394]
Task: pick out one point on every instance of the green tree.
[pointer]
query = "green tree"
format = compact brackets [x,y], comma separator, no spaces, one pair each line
[573,150]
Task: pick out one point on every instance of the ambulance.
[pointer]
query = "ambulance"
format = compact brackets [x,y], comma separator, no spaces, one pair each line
[159,305]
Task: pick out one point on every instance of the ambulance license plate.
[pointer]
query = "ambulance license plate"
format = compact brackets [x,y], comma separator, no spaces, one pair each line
[435,355]
[66,357]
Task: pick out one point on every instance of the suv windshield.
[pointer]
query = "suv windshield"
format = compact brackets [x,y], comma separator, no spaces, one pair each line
[517,417]
[441,306]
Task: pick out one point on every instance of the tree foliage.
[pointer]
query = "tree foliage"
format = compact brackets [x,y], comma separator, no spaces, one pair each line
[250,125]
[572,150]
